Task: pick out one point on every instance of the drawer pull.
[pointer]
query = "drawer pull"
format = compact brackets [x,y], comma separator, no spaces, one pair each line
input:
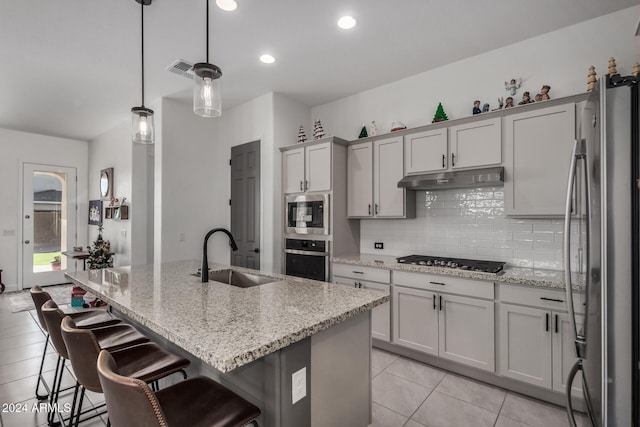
[551,299]
[438,283]
[358,272]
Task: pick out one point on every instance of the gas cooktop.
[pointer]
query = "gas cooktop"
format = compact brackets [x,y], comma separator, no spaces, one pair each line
[459,263]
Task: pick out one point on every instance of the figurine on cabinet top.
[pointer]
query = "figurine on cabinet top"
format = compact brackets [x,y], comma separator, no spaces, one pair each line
[526,99]
[544,93]
[395,126]
[513,86]
[500,104]
[373,129]
[485,108]
[509,102]
[476,107]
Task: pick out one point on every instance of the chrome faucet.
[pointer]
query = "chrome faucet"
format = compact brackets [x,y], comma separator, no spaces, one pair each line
[204,271]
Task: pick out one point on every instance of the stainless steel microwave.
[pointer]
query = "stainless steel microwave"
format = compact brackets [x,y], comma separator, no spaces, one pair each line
[307,214]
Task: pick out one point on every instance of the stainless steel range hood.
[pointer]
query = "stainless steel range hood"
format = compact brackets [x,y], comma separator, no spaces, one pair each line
[486,177]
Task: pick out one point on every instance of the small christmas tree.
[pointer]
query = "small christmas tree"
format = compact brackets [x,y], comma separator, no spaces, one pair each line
[318,131]
[440,116]
[100,254]
[302,135]
[591,81]
[363,132]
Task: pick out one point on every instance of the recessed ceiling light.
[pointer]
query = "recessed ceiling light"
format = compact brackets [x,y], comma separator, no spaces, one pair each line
[267,59]
[228,5]
[347,22]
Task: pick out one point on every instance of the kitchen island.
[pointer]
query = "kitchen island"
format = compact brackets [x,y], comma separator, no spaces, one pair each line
[253,339]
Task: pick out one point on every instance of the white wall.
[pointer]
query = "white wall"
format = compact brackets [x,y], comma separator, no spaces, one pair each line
[560,59]
[17,148]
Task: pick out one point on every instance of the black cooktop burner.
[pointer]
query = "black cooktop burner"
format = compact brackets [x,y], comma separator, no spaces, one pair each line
[460,263]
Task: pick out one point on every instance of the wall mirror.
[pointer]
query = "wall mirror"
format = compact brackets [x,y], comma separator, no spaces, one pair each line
[106,183]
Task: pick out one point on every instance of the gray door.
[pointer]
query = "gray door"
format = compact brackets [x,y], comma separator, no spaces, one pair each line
[245,204]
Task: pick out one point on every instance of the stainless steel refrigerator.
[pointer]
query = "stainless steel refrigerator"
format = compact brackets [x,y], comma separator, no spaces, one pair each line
[605,169]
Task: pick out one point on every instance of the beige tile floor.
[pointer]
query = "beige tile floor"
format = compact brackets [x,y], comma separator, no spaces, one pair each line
[405,392]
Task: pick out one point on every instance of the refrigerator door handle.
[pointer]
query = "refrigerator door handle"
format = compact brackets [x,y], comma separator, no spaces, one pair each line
[578,152]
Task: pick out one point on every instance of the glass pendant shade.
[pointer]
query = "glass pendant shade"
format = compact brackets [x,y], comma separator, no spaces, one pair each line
[207,98]
[142,128]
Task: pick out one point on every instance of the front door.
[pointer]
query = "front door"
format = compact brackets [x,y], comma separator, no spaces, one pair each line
[245,204]
[48,222]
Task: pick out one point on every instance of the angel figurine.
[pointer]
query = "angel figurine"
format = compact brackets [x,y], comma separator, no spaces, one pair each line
[513,86]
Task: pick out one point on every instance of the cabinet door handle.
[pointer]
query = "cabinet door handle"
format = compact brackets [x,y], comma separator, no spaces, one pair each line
[443,157]
[301,189]
[556,323]
[440,302]
[376,209]
[360,285]
[369,208]
[434,301]
[551,299]
[306,185]
[453,159]
[546,316]
[355,284]
[438,283]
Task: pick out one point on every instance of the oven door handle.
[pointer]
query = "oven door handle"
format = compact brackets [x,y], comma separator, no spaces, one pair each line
[297,252]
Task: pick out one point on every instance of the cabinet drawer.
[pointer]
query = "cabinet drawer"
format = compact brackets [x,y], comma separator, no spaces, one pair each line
[537,297]
[364,273]
[453,285]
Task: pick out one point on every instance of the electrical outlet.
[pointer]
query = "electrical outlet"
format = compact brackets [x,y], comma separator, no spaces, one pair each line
[378,245]
[298,385]
[123,233]
[8,232]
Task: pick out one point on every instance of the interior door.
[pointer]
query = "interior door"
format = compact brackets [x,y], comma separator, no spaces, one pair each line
[245,204]
[49,220]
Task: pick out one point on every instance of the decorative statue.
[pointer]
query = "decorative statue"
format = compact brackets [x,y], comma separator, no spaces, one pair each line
[373,129]
[526,99]
[485,108]
[509,102]
[476,107]
[591,80]
[544,93]
[513,86]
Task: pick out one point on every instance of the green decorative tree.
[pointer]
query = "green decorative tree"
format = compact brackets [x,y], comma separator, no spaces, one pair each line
[100,254]
[363,132]
[440,116]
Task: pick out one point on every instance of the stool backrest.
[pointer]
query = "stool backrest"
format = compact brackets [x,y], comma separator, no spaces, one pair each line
[130,402]
[83,350]
[53,318]
[39,298]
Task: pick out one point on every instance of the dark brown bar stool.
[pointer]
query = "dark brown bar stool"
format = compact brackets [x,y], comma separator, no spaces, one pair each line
[84,319]
[195,402]
[113,337]
[147,362]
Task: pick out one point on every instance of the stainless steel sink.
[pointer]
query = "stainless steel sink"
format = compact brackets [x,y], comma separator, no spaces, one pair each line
[236,278]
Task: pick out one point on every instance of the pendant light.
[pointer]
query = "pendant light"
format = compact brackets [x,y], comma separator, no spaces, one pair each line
[142,129]
[207,101]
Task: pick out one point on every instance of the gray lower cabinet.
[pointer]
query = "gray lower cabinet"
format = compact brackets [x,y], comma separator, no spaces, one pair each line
[452,327]
[371,278]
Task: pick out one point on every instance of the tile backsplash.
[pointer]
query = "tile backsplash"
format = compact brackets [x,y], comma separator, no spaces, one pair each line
[470,223]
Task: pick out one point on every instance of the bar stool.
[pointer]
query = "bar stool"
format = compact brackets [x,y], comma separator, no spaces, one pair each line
[113,337]
[84,319]
[195,402]
[147,362]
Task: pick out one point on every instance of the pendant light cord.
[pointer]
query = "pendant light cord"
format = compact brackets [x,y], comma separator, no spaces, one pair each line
[142,46]
[207,31]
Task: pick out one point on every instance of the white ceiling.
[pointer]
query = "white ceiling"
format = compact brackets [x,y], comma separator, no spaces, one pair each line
[72,68]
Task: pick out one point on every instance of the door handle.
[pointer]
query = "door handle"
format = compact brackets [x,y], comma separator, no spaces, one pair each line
[256,250]
[453,159]
[440,302]
[26,242]
[376,209]
[301,186]
[546,316]
[556,323]
[443,157]
[369,208]
[434,301]
[306,185]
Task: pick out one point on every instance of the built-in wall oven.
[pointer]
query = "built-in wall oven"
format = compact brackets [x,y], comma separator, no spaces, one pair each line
[307,214]
[307,258]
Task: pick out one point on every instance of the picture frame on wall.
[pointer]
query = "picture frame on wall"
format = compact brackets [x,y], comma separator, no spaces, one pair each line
[95,212]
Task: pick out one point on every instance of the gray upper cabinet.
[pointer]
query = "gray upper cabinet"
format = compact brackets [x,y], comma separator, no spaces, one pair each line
[426,151]
[538,147]
[307,168]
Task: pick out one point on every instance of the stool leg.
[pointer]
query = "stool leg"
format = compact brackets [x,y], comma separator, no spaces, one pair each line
[40,379]
[73,404]
[52,392]
[79,408]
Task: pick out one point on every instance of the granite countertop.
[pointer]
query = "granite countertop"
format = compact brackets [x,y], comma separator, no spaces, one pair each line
[511,275]
[225,326]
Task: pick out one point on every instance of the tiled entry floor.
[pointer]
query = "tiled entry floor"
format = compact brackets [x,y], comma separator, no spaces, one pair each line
[405,393]
[412,394]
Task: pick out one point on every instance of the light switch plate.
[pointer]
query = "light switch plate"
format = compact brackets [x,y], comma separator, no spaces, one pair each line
[298,385]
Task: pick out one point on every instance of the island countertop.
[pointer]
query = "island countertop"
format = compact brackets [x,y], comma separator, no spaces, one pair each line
[225,326]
